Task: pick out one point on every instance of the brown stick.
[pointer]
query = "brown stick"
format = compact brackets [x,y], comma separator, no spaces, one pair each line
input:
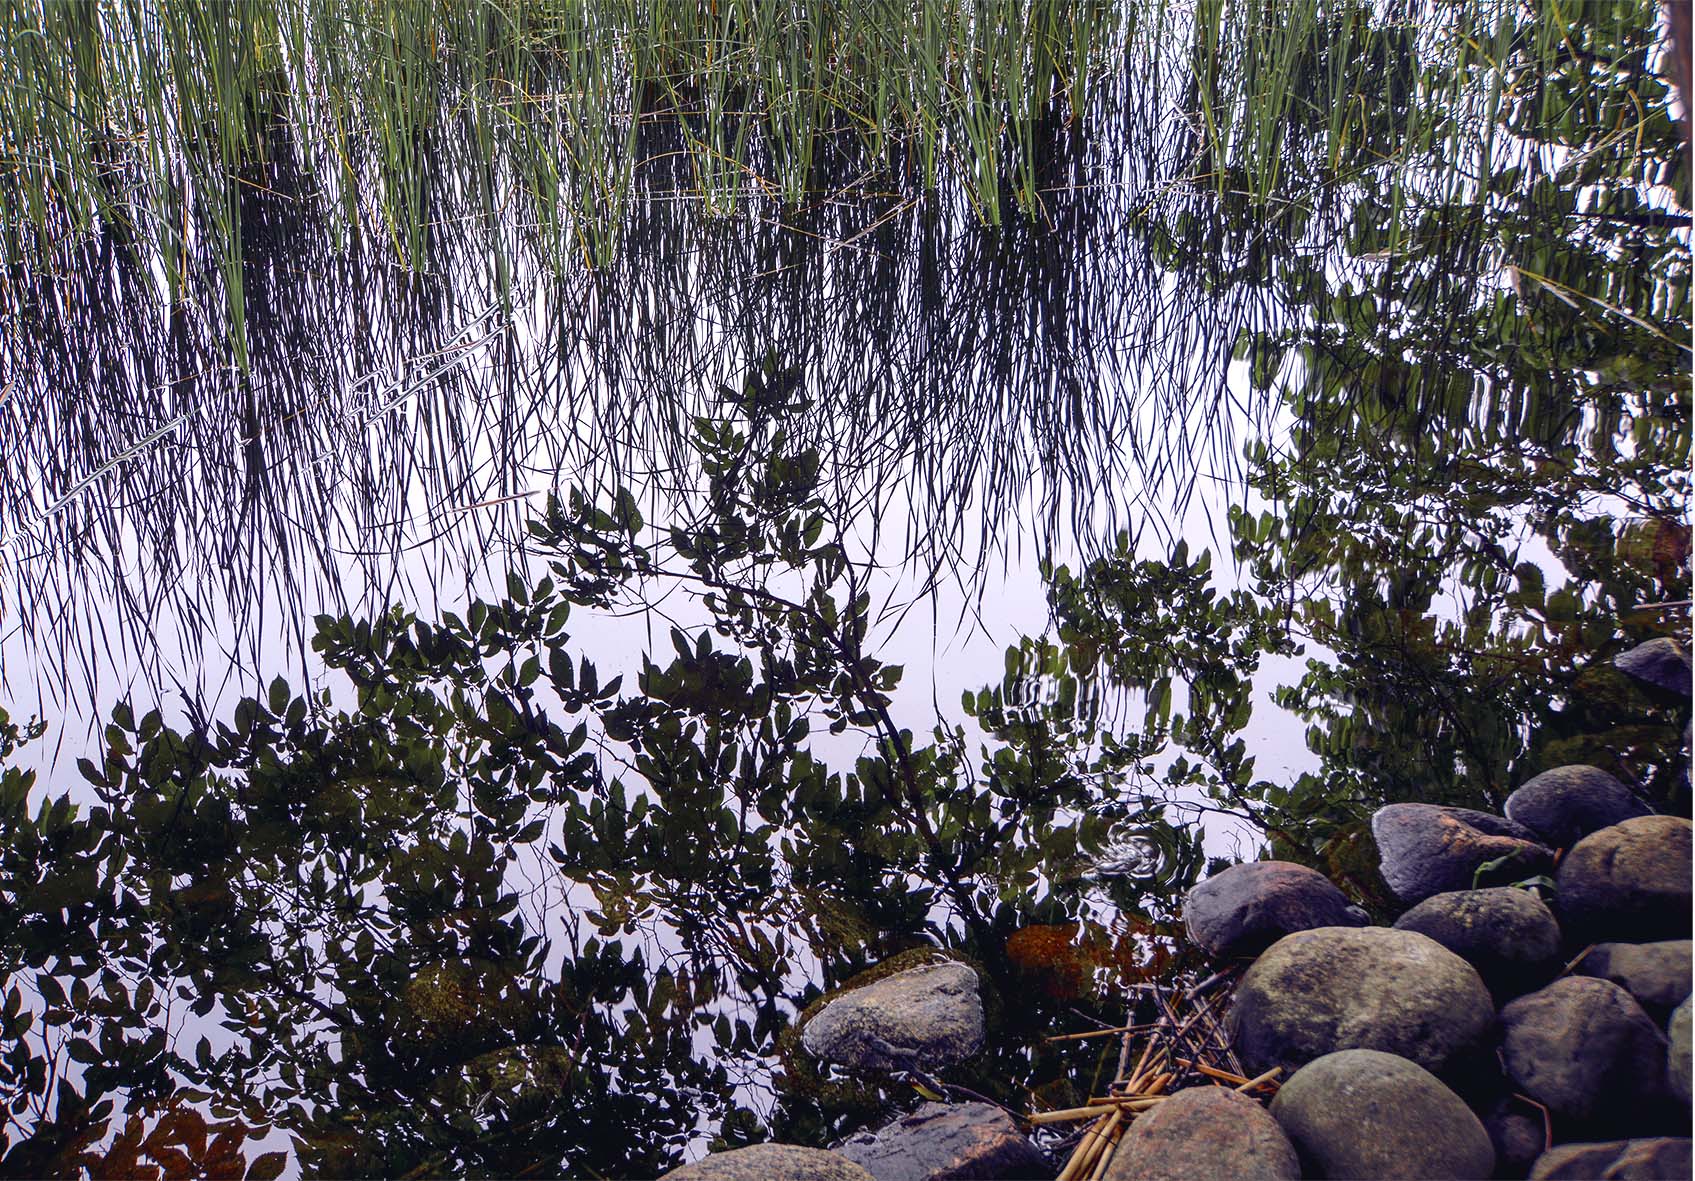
[1077,1037]
[1108,1147]
[1083,1151]
[1261,1080]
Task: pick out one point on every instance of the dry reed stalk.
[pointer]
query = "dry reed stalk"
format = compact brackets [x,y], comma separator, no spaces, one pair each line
[1088,1033]
[1225,1076]
[1105,1158]
[1095,1142]
[1260,1080]
[1072,1114]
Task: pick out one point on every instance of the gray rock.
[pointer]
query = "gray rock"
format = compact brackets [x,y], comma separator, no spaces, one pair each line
[1204,1133]
[1366,1114]
[1519,1134]
[1662,1158]
[926,1017]
[1629,882]
[771,1162]
[1678,1052]
[1341,988]
[1566,804]
[1583,1048]
[1508,935]
[943,1142]
[1428,849]
[1656,974]
[1661,662]
[1248,907]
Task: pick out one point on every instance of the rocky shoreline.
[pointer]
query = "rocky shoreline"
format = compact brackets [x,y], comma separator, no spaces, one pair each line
[1489,1032]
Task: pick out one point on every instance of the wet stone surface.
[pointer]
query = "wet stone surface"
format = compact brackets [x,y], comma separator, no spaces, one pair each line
[1366,1114]
[942,1142]
[1566,804]
[1508,935]
[1585,1049]
[922,1018]
[1660,1158]
[1202,1133]
[771,1162]
[1337,988]
[1248,907]
[1628,882]
[1427,849]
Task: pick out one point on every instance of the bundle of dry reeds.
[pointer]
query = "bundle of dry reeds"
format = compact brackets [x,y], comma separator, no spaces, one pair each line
[1185,1046]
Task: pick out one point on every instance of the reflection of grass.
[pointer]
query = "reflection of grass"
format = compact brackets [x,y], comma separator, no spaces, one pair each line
[154,119]
[152,116]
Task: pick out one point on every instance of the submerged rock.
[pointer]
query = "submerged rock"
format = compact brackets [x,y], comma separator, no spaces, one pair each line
[1584,1049]
[1678,1052]
[1202,1133]
[942,1142]
[1248,907]
[1519,1134]
[1566,804]
[771,1162]
[1656,974]
[1508,935]
[1367,1114]
[924,1017]
[1661,662]
[1429,849]
[1662,1158]
[1628,882]
[1340,988]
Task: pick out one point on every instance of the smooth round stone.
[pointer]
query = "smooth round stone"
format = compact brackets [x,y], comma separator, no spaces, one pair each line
[1584,1049]
[1629,882]
[1204,1133]
[924,1017]
[1660,1158]
[1366,1114]
[1508,935]
[1656,974]
[1339,988]
[1428,849]
[1660,662]
[1248,907]
[1566,804]
[771,1162]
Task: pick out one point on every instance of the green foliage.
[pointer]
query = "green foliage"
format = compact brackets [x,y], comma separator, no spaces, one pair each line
[501,914]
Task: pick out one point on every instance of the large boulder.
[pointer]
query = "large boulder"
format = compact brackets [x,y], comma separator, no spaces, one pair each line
[771,1162]
[1248,907]
[1662,1158]
[1656,974]
[1585,1050]
[1429,849]
[1678,1052]
[1341,988]
[1204,1133]
[1629,882]
[942,1142]
[1661,662]
[1367,1114]
[1508,935]
[924,1017]
[1566,804]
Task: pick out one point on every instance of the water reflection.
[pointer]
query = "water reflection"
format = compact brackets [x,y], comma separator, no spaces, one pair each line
[393,426]
[486,910]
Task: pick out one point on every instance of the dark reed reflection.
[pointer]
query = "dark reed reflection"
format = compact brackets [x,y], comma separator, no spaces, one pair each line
[964,383]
